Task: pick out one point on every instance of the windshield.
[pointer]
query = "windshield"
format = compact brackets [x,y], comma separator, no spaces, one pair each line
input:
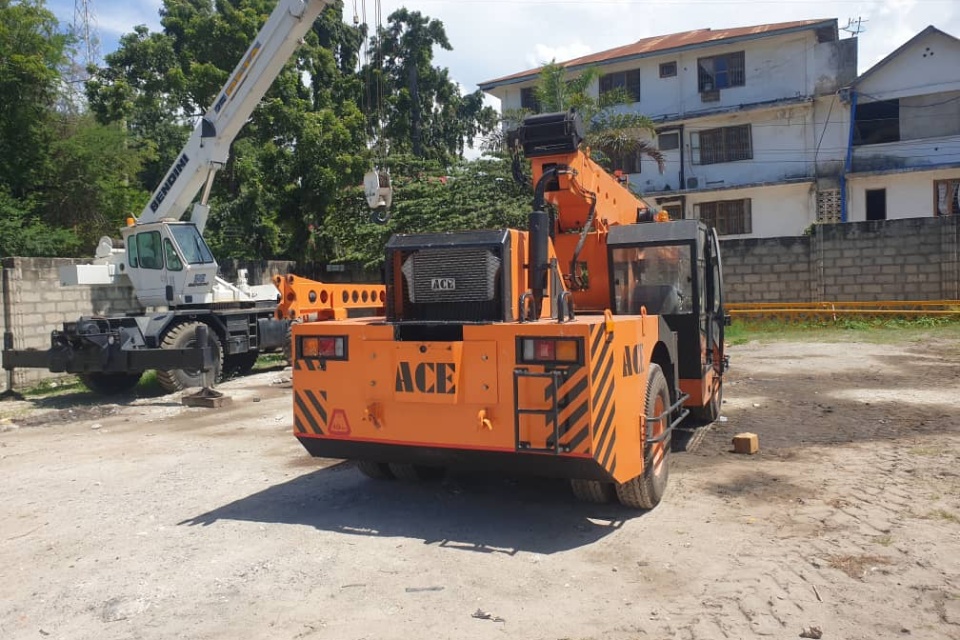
[658,278]
[192,246]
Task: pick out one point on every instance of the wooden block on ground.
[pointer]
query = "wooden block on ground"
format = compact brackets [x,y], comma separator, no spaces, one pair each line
[746,443]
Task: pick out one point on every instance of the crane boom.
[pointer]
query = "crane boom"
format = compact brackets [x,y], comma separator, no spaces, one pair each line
[208,147]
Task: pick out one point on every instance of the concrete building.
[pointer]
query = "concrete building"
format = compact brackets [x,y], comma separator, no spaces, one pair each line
[750,120]
[904,147]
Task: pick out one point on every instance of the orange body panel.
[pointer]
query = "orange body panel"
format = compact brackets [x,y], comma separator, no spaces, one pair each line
[460,395]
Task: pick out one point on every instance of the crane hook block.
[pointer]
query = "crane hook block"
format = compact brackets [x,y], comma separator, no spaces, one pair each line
[377,189]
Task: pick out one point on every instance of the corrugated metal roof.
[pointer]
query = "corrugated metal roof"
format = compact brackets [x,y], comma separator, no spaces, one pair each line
[663,44]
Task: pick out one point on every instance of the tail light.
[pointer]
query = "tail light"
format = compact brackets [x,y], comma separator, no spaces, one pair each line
[322,347]
[550,350]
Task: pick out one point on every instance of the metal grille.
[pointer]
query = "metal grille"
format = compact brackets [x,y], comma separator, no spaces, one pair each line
[454,275]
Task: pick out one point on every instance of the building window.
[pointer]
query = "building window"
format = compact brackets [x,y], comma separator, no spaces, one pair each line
[946,197]
[668,70]
[725,144]
[629,81]
[876,204]
[729,217]
[828,206]
[626,162]
[668,141]
[720,72]
[528,99]
[877,122]
[675,211]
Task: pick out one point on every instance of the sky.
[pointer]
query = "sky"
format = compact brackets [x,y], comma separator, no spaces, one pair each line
[494,38]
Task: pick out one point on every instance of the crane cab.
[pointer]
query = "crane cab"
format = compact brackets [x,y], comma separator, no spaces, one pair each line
[169,263]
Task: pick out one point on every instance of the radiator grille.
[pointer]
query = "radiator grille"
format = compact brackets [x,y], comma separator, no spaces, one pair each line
[451,275]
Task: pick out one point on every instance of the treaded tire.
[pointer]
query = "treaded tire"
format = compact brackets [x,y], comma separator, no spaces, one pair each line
[110,384]
[184,336]
[646,490]
[593,491]
[416,472]
[710,412]
[375,470]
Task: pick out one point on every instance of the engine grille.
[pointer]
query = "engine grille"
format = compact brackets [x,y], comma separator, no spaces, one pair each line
[451,275]
[443,278]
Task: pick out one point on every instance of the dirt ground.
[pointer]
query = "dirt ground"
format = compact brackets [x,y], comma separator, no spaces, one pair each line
[150,520]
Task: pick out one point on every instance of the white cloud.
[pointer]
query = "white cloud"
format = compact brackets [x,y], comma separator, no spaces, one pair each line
[543,53]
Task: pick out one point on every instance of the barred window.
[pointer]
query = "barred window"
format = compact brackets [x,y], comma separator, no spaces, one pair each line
[828,205]
[668,69]
[626,80]
[946,197]
[528,99]
[719,72]
[729,217]
[627,162]
[726,144]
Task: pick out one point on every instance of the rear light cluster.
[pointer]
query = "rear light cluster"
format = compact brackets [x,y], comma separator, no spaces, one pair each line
[322,347]
[550,350]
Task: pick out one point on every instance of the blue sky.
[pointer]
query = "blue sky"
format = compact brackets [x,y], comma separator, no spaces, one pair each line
[492,38]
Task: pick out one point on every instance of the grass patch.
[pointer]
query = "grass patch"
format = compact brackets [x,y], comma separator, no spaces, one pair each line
[55,387]
[875,330]
[943,514]
[856,566]
[269,361]
[883,541]
[925,451]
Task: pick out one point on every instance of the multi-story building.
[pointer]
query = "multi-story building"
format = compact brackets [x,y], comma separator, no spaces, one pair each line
[751,120]
[904,153]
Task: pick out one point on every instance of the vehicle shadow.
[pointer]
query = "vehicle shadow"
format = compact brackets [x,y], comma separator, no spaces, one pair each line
[479,513]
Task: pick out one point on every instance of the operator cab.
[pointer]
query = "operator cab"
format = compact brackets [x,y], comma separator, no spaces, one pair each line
[169,263]
[672,269]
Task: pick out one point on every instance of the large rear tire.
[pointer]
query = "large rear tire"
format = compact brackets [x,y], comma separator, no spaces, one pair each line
[416,472]
[646,490]
[184,336]
[593,491]
[110,384]
[239,364]
[375,470]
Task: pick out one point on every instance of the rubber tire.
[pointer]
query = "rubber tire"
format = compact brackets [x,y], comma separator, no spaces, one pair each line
[240,364]
[593,491]
[416,472]
[375,470]
[183,336]
[287,348]
[110,384]
[709,413]
[646,490]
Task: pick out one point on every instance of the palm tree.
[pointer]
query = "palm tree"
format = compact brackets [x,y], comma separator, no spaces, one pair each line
[609,131]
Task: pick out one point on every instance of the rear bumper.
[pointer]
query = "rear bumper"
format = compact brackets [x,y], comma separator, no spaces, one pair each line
[508,462]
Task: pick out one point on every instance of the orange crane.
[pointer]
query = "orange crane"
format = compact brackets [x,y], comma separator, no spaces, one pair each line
[571,349]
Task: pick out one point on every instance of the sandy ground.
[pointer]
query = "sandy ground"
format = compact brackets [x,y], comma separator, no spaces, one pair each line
[150,520]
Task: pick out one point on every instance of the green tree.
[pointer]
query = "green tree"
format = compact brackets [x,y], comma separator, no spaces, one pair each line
[303,142]
[415,107]
[610,130]
[476,194]
[32,50]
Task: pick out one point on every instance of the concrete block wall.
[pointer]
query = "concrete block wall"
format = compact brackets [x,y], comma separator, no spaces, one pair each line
[906,259]
[38,304]
[767,269]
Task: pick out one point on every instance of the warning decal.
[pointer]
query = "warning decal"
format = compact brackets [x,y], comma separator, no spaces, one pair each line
[338,424]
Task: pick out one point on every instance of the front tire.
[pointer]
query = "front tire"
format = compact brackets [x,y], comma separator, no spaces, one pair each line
[646,490]
[110,384]
[593,491]
[184,336]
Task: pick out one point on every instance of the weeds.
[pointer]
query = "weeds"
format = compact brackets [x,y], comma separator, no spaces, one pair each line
[877,330]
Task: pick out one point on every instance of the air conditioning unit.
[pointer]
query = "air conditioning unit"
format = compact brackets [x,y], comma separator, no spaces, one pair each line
[692,183]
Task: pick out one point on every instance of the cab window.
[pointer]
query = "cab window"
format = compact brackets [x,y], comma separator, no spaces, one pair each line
[173,260]
[148,250]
